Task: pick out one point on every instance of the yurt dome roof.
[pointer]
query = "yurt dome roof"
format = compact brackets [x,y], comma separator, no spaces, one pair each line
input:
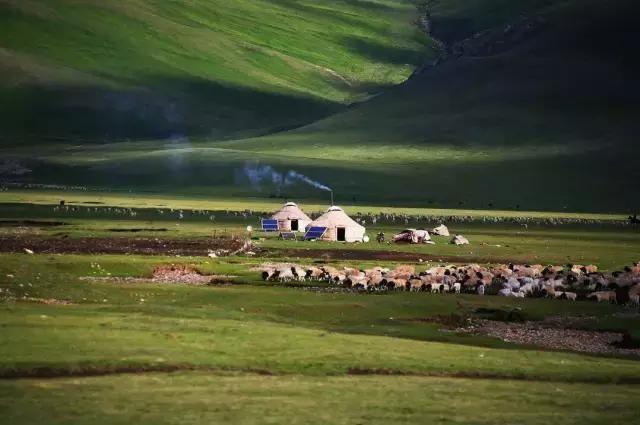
[290,211]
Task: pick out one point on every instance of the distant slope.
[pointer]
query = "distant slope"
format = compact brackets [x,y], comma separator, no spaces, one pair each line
[92,71]
[534,106]
[539,112]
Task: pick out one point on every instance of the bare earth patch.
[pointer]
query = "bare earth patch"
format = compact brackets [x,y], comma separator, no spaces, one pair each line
[124,245]
[551,335]
[171,273]
[47,301]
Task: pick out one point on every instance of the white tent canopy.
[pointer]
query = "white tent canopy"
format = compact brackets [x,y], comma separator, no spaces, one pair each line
[291,218]
[340,227]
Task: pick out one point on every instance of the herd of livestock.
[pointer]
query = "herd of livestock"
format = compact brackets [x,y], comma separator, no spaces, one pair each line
[569,282]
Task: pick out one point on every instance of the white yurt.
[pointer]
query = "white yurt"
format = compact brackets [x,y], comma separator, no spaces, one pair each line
[340,227]
[291,218]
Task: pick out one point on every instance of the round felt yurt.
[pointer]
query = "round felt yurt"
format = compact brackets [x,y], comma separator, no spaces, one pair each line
[339,226]
[291,218]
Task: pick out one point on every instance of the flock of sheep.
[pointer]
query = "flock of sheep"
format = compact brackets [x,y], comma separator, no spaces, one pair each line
[569,282]
[362,218]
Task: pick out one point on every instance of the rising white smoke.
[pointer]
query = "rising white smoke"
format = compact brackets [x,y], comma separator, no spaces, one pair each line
[294,175]
[259,174]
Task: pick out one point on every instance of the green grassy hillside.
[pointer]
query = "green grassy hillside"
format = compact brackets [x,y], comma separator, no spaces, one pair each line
[95,71]
[532,107]
[539,113]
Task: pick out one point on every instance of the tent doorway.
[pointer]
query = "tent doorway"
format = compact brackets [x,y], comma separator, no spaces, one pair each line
[294,225]
[342,234]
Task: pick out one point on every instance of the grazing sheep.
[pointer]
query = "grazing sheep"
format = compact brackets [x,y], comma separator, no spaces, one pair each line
[577,269]
[375,279]
[590,269]
[314,273]
[555,269]
[512,284]
[405,271]
[505,292]
[268,273]
[603,296]
[415,285]
[550,292]
[360,281]
[527,289]
[285,274]
[338,278]
[299,273]
[401,284]
[516,280]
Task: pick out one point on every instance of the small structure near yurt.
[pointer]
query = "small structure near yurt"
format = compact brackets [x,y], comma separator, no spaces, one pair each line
[459,240]
[335,225]
[441,230]
[289,218]
[413,236]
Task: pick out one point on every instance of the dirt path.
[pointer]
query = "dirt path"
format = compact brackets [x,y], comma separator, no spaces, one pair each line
[64,371]
[200,247]
[115,245]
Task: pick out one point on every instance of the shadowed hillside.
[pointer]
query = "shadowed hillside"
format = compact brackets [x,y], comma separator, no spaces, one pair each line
[538,112]
[95,71]
[530,105]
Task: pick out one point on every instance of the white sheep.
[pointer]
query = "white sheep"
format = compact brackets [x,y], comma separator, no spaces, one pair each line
[602,296]
[285,274]
[268,273]
[512,283]
[505,292]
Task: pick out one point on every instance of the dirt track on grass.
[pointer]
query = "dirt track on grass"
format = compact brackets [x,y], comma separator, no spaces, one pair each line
[53,372]
[200,247]
[133,246]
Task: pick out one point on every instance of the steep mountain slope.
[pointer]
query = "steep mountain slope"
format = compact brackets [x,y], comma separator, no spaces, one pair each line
[92,71]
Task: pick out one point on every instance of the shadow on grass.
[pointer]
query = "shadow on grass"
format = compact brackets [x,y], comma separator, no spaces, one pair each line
[385,54]
[161,109]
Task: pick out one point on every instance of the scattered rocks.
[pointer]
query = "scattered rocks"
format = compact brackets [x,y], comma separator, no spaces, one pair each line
[179,273]
[552,335]
[47,301]
[459,240]
[170,273]
[441,230]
